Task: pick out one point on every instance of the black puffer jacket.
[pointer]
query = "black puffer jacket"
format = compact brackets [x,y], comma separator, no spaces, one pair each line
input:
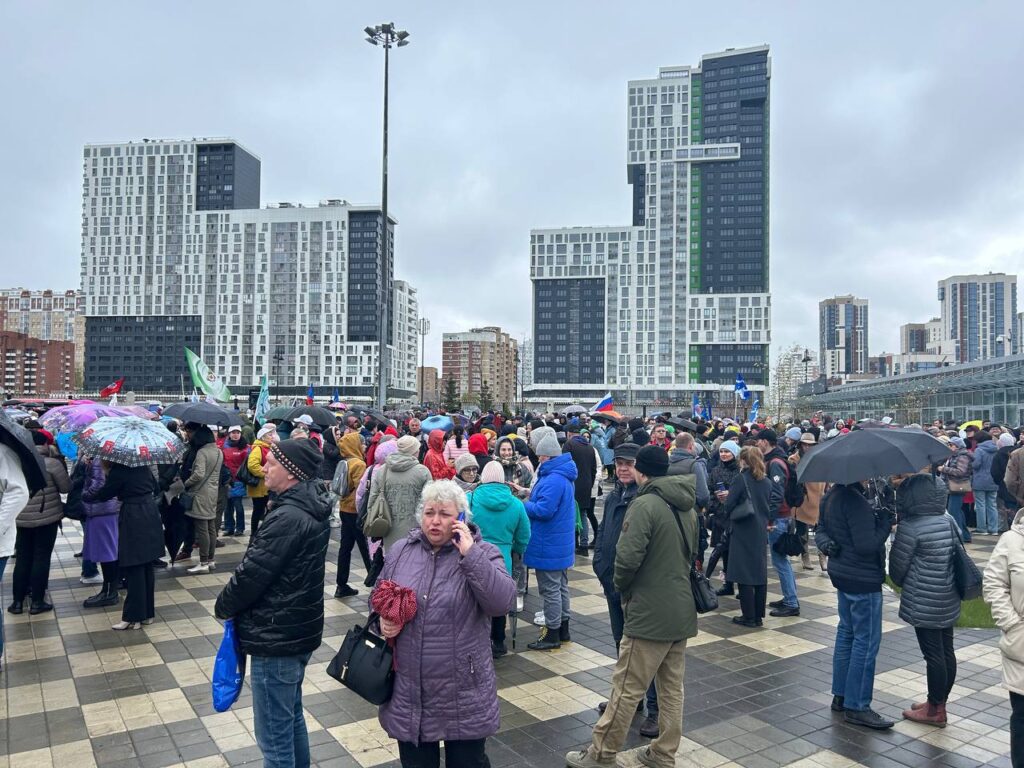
[848,519]
[276,594]
[921,559]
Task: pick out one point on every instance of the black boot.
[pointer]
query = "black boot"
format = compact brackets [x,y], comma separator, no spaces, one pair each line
[39,607]
[106,596]
[16,607]
[563,632]
[548,640]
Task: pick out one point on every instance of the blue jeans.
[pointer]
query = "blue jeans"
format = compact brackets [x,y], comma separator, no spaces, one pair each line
[276,683]
[234,515]
[857,639]
[986,511]
[618,620]
[955,507]
[787,581]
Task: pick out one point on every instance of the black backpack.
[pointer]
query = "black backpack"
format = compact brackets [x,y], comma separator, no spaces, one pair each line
[794,493]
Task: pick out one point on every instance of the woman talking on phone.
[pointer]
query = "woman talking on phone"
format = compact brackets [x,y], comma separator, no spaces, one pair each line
[445,688]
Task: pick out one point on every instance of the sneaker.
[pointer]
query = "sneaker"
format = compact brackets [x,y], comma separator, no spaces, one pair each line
[548,640]
[40,607]
[219,544]
[649,727]
[776,603]
[201,568]
[239,532]
[498,650]
[97,579]
[638,757]
[183,557]
[752,623]
[538,618]
[837,704]
[784,611]
[344,590]
[582,759]
[868,718]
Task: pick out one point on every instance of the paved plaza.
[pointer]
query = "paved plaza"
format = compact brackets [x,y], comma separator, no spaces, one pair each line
[78,694]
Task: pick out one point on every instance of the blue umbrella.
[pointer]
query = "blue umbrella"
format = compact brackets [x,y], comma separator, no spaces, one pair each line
[444,423]
[67,445]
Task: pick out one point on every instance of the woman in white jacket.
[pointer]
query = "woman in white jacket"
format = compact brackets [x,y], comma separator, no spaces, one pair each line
[1004,592]
[13,498]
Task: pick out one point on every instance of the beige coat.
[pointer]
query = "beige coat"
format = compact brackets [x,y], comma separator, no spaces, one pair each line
[204,482]
[1004,592]
[813,492]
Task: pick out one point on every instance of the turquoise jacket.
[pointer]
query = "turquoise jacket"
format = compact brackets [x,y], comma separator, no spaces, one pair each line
[501,518]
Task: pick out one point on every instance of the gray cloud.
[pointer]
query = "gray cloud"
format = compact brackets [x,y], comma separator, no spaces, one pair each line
[896,149]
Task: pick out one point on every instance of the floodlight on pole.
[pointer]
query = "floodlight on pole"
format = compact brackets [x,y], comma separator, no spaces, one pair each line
[384,35]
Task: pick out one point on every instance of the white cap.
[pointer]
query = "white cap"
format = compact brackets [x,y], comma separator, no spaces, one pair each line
[303,419]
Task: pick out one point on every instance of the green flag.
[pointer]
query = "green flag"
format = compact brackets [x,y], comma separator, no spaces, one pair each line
[205,379]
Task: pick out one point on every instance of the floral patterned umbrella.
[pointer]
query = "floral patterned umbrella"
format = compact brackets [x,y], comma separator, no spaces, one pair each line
[70,418]
[130,441]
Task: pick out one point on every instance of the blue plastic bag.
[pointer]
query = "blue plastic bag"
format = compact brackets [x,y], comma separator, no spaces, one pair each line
[228,670]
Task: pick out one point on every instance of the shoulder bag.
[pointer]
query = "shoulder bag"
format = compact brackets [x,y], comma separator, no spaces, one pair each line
[704,597]
[954,485]
[245,474]
[966,575]
[744,509]
[365,663]
[378,514]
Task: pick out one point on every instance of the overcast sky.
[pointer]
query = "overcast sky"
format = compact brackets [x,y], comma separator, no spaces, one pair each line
[897,132]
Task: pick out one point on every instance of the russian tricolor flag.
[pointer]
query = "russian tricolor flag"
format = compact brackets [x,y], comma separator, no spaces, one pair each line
[310,394]
[604,404]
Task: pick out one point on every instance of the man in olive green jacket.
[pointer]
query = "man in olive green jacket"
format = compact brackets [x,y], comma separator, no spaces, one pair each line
[652,573]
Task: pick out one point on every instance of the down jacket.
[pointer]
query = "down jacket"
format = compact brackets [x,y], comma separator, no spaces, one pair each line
[1003,589]
[848,519]
[552,512]
[981,463]
[276,594]
[921,558]
[45,507]
[445,687]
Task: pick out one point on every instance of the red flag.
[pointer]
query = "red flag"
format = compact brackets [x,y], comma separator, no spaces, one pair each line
[112,389]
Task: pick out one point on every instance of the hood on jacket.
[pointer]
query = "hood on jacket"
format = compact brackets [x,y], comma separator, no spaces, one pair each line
[351,446]
[478,444]
[539,434]
[399,462]
[201,436]
[435,441]
[921,495]
[1018,522]
[989,446]
[561,465]
[679,455]
[677,490]
[311,496]
[384,450]
[494,497]
[497,447]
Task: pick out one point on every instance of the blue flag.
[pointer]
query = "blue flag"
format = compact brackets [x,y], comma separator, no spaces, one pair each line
[335,397]
[741,387]
[707,408]
[754,409]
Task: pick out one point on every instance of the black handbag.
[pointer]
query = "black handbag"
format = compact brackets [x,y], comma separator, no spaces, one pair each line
[789,544]
[246,476]
[704,597]
[965,573]
[365,663]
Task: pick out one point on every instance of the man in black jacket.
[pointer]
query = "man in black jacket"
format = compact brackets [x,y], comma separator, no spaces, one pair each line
[584,458]
[276,598]
[852,533]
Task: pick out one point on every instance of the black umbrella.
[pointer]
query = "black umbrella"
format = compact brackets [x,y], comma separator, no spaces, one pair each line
[866,453]
[19,440]
[203,413]
[684,424]
[321,416]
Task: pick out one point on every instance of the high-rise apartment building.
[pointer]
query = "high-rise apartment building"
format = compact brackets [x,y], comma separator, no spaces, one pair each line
[176,252]
[427,383]
[526,363]
[36,367]
[843,336]
[45,315]
[678,302]
[978,316]
[479,356]
[921,337]
[406,340]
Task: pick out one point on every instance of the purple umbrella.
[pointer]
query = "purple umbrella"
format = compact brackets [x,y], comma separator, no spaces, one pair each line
[71,418]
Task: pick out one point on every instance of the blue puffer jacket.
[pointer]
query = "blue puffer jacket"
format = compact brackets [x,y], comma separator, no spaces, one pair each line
[599,438]
[982,466]
[552,512]
[921,559]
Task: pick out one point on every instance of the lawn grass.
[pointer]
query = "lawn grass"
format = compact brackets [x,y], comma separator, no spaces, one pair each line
[974,614]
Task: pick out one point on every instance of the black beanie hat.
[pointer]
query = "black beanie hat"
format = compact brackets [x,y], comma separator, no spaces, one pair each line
[536,423]
[769,435]
[652,461]
[635,424]
[299,457]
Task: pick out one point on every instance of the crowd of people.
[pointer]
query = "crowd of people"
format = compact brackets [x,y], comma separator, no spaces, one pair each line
[461,515]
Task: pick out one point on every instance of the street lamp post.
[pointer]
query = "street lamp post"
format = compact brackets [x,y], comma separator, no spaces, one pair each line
[424,330]
[806,359]
[384,35]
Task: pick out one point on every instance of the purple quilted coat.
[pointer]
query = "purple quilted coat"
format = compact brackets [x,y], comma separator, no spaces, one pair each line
[445,686]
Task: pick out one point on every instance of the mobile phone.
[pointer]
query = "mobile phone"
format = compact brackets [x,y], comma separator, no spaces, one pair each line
[461,518]
[720,487]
